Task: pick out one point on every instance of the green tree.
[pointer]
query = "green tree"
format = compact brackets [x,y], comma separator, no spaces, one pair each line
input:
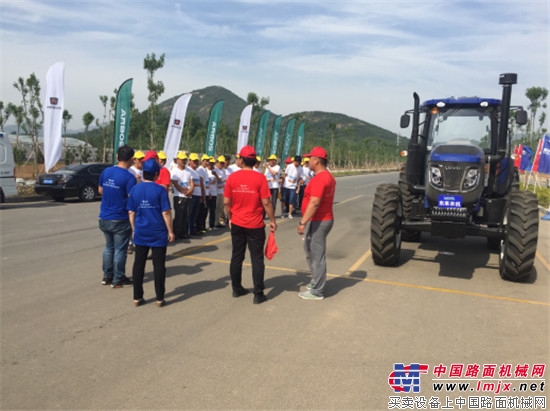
[67,117]
[151,64]
[17,113]
[19,155]
[88,118]
[4,114]
[537,96]
[104,100]
[33,115]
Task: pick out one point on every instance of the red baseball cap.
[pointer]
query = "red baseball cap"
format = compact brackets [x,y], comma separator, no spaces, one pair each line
[247,152]
[151,154]
[288,160]
[317,152]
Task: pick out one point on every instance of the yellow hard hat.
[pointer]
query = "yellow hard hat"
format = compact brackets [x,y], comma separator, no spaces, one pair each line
[211,160]
[205,157]
[306,159]
[258,159]
[162,155]
[181,155]
[221,159]
[193,156]
[272,157]
[139,154]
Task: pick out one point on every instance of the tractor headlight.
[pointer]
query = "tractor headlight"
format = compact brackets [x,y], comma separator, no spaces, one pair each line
[472,179]
[435,177]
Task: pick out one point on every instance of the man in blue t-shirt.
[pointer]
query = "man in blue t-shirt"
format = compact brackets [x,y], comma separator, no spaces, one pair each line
[151,219]
[114,186]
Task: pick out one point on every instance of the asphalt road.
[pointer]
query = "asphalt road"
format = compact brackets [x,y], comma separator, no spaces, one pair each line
[70,343]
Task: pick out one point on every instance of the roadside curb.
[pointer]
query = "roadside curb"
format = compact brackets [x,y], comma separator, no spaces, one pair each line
[24,199]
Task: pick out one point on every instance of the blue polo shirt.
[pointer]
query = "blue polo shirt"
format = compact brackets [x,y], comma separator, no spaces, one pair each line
[148,200]
[116,183]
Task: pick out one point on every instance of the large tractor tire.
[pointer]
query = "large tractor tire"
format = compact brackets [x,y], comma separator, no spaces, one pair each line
[521,223]
[385,236]
[406,205]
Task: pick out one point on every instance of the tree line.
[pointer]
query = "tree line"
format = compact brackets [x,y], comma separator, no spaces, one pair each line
[147,128]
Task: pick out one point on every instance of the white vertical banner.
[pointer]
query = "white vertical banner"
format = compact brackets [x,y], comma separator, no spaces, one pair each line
[175,127]
[53,114]
[244,127]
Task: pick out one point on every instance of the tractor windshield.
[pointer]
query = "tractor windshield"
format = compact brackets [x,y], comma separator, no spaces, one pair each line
[460,124]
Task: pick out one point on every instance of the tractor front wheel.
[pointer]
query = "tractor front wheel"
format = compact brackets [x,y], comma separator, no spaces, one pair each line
[385,233]
[521,222]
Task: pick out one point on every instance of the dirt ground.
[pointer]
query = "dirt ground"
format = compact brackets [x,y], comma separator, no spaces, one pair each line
[28,171]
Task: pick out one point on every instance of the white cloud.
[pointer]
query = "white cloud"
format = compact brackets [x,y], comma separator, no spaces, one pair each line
[361,58]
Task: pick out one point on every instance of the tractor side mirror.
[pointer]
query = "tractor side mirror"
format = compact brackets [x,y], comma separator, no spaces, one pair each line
[521,117]
[405,121]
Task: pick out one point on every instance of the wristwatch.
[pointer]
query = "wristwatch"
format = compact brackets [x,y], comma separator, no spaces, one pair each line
[301,224]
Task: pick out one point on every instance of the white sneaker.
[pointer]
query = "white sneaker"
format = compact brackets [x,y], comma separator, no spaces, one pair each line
[290,216]
[306,295]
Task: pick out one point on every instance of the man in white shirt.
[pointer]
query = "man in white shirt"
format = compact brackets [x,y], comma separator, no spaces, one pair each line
[205,181]
[198,192]
[273,175]
[292,182]
[137,165]
[183,189]
[221,175]
[212,194]
[235,166]
[306,176]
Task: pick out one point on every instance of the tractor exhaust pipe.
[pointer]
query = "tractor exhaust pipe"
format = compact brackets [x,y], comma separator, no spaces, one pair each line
[506,80]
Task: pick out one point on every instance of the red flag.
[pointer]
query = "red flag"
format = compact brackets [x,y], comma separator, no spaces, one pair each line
[271,247]
[536,161]
[517,153]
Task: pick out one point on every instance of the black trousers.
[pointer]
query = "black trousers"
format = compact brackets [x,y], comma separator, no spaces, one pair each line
[211,204]
[201,216]
[159,269]
[274,196]
[255,239]
[182,208]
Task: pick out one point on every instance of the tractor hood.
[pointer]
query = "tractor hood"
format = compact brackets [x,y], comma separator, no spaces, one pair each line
[460,151]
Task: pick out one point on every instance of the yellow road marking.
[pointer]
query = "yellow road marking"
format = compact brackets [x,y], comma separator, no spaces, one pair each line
[359,262]
[394,283]
[348,200]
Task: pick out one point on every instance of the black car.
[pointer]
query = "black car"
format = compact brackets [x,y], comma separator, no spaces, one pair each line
[75,180]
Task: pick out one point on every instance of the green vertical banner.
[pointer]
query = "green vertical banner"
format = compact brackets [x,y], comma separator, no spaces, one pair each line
[213,125]
[300,138]
[260,135]
[275,135]
[287,141]
[122,116]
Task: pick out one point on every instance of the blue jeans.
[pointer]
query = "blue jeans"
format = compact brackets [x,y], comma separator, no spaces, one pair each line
[117,236]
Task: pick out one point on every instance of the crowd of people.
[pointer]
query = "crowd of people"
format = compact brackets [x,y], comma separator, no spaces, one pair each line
[210,193]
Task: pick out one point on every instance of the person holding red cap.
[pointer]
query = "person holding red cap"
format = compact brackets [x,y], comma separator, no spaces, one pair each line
[317,221]
[246,196]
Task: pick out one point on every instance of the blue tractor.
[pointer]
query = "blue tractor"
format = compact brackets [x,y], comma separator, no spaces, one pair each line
[460,180]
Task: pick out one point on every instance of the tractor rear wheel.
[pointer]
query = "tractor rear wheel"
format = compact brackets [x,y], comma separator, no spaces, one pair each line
[521,222]
[406,204]
[385,234]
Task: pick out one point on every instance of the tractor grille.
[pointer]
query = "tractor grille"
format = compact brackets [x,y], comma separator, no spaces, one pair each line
[450,214]
[453,176]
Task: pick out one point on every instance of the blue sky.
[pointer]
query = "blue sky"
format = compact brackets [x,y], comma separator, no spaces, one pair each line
[362,58]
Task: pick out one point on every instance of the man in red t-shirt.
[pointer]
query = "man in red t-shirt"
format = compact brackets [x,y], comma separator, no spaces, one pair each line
[245,197]
[317,221]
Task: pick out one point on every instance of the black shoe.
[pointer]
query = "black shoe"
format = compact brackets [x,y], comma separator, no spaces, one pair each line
[240,292]
[116,285]
[107,280]
[260,298]
[126,281]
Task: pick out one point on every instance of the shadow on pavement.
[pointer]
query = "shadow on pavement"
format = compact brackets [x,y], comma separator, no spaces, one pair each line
[188,291]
